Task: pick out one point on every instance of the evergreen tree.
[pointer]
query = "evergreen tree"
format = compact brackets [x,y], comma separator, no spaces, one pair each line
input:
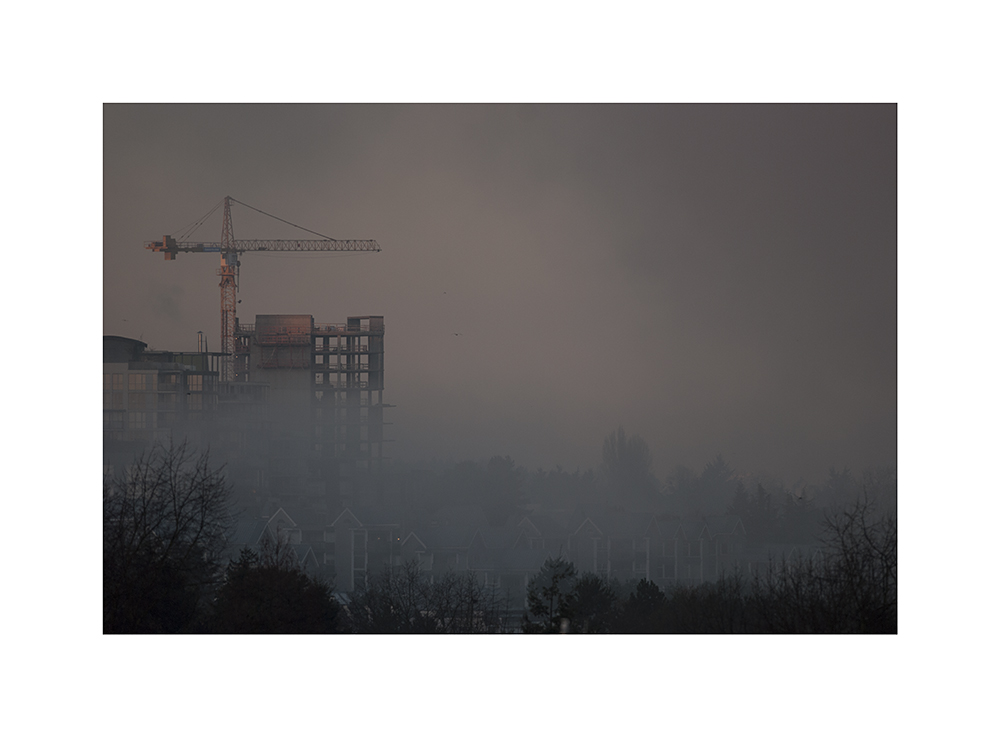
[551,597]
[266,592]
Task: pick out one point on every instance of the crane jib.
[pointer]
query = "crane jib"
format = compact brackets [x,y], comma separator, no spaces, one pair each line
[169,245]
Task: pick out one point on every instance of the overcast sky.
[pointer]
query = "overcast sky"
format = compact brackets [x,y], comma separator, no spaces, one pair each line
[717,279]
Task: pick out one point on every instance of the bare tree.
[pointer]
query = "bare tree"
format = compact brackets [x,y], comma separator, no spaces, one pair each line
[404,601]
[862,564]
[851,587]
[165,521]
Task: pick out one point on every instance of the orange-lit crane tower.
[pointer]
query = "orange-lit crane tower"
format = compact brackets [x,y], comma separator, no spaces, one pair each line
[230,251]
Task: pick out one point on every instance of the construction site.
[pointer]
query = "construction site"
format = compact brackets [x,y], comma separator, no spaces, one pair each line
[293,407]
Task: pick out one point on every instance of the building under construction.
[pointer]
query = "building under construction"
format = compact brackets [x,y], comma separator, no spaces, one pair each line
[319,389]
[325,382]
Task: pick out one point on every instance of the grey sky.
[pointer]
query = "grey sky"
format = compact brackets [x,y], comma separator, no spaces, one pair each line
[718,279]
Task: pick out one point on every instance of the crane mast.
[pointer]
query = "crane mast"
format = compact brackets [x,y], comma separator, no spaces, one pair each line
[227,270]
[230,249]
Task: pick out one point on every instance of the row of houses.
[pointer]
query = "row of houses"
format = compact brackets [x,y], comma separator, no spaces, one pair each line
[356,545]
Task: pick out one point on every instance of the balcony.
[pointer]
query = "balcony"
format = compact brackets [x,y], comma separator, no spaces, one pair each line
[340,328]
[341,368]
[342,387]
[343,349]
[284,338]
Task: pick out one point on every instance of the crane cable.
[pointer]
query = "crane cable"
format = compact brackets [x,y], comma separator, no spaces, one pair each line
[188,230]
[281,219]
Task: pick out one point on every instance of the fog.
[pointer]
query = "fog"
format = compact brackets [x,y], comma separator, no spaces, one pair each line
[718,279]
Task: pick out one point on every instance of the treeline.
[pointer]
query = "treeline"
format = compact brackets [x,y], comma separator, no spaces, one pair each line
[771,511]
[167,568]
[850,587]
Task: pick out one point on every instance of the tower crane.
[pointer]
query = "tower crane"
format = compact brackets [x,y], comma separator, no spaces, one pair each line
[230,249]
